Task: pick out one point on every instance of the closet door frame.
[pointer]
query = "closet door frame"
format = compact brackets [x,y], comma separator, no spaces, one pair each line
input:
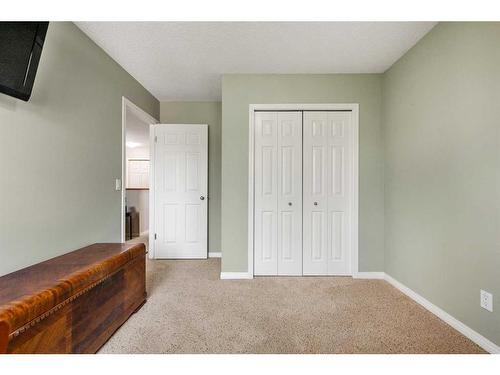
[354,108]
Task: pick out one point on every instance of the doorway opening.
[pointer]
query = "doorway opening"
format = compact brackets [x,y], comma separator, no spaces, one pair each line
[135,173]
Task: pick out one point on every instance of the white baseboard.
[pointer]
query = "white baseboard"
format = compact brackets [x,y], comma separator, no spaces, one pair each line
[235,275]
[369,275]
[215,254]
[479,339]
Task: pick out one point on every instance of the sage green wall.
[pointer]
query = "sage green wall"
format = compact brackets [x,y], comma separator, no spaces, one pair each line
[238,91]
[61,152]
[442,171]
[203,113]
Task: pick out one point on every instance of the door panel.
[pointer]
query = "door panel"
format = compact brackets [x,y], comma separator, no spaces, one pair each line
[181,175]
[315,194]
[286,236]
[266,194]
[278,193]
[327,179]
[339,197]
[289,143]
[269,238]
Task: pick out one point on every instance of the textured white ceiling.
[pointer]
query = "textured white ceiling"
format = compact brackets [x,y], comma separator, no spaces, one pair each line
[185,60]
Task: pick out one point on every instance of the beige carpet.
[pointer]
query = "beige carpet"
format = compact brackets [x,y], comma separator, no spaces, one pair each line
[189,310]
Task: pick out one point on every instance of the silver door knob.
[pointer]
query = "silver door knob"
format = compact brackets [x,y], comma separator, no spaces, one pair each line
[289,203]
[202,198]
[315,203]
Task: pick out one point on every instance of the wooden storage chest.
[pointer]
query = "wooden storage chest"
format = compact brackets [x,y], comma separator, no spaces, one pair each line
[72,303]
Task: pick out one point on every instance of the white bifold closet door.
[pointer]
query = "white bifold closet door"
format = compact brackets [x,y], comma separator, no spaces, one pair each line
[278,193]
[327,198]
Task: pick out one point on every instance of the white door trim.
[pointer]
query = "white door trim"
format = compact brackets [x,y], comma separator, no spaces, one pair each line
[152,216]
[354,108]
[146,117]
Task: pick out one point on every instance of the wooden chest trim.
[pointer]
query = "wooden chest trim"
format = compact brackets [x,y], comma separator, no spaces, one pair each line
[38,319]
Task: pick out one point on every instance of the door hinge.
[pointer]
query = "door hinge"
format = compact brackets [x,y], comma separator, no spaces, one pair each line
[155,236]
[156,138]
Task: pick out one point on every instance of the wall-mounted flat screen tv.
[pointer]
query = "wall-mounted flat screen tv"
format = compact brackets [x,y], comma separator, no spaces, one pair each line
[21,46]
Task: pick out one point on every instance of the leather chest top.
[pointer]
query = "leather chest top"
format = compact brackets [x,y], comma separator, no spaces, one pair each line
[32,291]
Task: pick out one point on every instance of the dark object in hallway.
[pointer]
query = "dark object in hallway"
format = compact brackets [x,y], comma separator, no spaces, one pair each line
[132,224]
[72,303]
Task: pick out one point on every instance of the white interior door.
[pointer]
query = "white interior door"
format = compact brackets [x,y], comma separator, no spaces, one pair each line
[278,193]
[180,191]
[327,193]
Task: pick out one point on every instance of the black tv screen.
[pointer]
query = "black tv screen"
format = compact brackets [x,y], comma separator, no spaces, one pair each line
[20,50]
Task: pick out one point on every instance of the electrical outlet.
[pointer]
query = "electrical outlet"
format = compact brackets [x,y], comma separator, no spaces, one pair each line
[118,184]
[486,300]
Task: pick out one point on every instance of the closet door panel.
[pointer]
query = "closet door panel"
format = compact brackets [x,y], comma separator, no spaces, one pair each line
[339,192]
[315,197]
[266,194]
[327,187]
[289,193]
